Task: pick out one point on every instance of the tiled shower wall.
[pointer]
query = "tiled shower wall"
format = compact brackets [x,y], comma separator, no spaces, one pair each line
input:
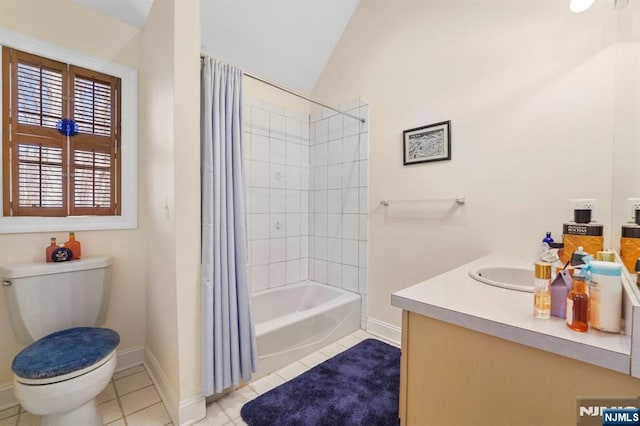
[276,143]
[307,195]
[338,194]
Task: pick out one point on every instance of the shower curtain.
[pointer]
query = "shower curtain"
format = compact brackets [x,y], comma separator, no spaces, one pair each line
[229,349]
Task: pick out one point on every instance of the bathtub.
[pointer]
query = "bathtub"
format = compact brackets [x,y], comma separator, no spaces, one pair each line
[295,320]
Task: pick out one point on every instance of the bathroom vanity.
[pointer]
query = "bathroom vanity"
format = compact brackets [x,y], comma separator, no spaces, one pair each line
[473,353]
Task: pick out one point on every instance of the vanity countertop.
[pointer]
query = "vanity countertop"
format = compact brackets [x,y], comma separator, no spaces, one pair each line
[454,297]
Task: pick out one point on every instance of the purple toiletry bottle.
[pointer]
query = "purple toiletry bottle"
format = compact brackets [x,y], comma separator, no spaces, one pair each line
[559,289]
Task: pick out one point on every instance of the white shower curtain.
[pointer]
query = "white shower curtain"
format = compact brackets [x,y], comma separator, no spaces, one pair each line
[229,349]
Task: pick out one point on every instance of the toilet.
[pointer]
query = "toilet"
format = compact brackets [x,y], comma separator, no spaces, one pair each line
[55,309]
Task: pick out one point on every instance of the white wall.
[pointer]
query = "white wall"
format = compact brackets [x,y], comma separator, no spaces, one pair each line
[187,175]
[170,101]
[529,89]
[102,37]
[158,126]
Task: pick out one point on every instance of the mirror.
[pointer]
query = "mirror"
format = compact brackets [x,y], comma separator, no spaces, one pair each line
[626,121]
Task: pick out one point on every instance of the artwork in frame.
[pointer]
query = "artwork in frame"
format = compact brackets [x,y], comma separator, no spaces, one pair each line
[427,143]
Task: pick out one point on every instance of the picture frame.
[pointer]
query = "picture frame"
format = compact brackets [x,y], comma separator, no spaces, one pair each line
[427,143]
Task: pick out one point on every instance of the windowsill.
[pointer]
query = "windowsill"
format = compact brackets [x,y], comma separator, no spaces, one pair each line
[25,224]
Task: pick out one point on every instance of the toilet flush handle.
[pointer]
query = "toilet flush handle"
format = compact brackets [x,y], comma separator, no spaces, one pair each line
[6,283]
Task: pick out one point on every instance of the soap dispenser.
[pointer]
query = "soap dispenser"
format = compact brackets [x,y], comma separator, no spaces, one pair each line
[630,237]
[583,231]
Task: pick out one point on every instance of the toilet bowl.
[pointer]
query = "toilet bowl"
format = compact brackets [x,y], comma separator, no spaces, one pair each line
[54,309]
[59,376]
[67,402]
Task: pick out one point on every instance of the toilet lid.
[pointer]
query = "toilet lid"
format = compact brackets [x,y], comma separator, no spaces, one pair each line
[64,352]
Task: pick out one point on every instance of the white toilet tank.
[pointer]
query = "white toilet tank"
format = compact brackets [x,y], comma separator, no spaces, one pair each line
[47,297]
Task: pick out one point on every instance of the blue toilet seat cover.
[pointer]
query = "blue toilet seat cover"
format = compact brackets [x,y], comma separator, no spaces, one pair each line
[64,352]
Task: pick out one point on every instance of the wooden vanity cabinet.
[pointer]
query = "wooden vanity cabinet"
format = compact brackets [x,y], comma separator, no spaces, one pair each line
[451,375]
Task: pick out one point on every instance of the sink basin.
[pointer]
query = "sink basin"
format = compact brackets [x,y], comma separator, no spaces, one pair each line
[509,277]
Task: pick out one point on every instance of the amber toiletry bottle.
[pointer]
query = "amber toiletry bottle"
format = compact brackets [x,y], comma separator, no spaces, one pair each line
[50,249]
[74,246]
[578,303]
[582,232]
[630,238]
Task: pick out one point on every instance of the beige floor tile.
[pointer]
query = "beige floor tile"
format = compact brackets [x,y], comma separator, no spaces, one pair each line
[9,421]
[110,411]
[107,394]
[9,412]
[266,383]
[128,372]
[314,359]
[292,370]
[362,333]
[232,403]
[28,419]
[215,416]
[117,423]
[132,383]
[239,422]
[156,415]
[332,349]
[349,341]
[139,399]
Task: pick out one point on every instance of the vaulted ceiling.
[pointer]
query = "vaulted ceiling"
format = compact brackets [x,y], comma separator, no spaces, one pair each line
[288,41]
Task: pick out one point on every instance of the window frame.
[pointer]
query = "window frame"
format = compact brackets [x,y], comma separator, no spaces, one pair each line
[128,147]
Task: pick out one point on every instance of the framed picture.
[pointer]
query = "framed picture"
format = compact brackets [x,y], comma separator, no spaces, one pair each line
[427,143]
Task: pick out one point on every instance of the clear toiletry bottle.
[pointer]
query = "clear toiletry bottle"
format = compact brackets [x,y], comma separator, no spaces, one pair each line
[541,291]
[578,303]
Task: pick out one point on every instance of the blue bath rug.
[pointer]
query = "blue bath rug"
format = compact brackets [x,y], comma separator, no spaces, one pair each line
[359,386]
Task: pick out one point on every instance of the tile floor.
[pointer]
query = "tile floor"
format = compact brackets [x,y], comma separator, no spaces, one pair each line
[132,400]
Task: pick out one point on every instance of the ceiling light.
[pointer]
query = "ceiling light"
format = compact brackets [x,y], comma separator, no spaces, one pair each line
[578,6]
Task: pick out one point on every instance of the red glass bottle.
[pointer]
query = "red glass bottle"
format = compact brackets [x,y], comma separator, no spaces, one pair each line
[49,250]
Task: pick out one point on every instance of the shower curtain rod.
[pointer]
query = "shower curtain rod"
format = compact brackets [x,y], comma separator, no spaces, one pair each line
[295,93]
[300,95]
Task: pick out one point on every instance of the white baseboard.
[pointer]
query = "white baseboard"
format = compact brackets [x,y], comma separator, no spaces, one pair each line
[387,331]
[127,358]
[192,410]
[130,357]
[183,413]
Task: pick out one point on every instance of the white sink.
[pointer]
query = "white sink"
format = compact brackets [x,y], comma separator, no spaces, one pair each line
[509,277]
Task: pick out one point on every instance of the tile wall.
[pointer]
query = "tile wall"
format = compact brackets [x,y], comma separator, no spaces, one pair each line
[307,191]
[276,142]
[338,198]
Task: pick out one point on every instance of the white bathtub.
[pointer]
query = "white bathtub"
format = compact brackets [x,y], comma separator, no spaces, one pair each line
[295,320]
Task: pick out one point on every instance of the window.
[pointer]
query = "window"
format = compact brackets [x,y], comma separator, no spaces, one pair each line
[45,171]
